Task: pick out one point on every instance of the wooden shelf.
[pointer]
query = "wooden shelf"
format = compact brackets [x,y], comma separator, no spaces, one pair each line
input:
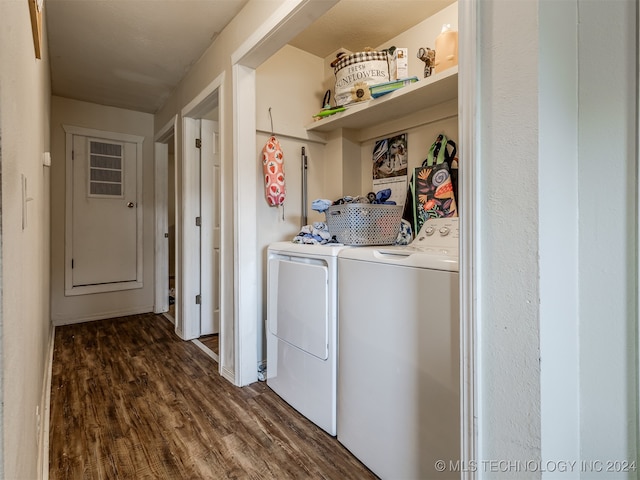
[424,93]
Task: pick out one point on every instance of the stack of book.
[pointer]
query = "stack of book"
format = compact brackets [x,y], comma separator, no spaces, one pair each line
[383,88]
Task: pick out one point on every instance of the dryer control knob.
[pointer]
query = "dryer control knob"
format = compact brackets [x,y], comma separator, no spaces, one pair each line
[444,231]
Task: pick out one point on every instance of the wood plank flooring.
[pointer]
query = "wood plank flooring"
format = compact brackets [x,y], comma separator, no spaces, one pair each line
[130,400]
[211,342]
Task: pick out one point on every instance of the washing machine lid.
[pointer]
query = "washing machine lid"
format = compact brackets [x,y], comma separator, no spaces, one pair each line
[302,249]
[403,256]
[435,247]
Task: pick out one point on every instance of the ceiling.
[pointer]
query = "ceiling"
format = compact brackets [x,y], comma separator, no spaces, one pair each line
[133,53]
[357,24]
[129,53]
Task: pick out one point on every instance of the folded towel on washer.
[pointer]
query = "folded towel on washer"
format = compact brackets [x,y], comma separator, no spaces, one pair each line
[322,228]
[316,234]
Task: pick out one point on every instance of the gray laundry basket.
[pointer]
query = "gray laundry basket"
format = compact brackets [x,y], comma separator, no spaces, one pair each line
[364,223]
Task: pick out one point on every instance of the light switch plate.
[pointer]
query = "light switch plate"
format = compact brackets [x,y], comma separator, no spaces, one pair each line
[25,199]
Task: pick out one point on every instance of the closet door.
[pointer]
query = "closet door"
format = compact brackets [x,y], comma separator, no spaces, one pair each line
[104,211]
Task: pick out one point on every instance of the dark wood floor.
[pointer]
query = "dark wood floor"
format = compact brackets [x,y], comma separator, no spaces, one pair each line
[129,400]
[211,342]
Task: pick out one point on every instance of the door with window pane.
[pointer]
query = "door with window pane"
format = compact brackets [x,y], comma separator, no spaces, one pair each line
[104,231]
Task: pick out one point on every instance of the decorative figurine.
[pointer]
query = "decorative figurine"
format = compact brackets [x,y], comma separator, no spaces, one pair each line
[428,56]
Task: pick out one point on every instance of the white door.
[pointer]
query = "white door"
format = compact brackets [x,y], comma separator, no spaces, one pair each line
[201,230]
[210,229]
[217,229]
[161,303]
[104,212]
[189,298]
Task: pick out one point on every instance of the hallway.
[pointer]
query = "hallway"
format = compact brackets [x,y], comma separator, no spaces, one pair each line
[130,400]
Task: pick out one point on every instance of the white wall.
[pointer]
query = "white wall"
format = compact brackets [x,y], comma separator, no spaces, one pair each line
[558,173]
[423,35]
[291,108]
[25,328]
[79,308]
[509,328]
[608,222]
[558,313]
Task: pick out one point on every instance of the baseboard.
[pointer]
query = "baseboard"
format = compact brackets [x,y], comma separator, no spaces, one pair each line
[228,374]
[45,411]
[60,321]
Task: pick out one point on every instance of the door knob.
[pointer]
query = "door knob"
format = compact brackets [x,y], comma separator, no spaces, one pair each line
[130,204]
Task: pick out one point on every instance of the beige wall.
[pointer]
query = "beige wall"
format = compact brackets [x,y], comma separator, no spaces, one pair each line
[74,309]
[25,327]
[444,118]
[292,107]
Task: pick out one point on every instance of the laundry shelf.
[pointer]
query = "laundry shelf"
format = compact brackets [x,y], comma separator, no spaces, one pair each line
[427,92]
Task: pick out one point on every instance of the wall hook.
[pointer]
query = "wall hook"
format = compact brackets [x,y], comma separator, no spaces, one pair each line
[271,118]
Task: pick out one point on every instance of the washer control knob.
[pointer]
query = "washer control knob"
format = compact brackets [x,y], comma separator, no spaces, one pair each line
[429,231]
[444,231]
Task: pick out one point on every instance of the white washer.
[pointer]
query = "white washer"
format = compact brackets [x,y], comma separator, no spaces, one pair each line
[302,328]
[398,377]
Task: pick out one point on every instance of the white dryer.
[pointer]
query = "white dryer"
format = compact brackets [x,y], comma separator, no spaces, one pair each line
[302,328]
[398,377]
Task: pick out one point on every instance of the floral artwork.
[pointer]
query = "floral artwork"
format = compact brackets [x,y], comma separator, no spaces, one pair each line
[434,194]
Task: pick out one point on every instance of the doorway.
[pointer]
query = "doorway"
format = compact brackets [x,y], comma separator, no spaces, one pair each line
[188,223]
[165,221]
[199,291]
[201,169]
[103,211]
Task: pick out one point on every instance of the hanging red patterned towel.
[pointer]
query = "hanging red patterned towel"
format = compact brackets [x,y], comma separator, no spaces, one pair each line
[273,167]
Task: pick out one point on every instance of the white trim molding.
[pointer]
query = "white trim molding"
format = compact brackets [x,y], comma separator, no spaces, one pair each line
[196,261]
[288,20]
[467,123]
[246,255]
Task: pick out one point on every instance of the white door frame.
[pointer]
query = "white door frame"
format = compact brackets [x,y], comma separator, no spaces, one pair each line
[204,102]
[292,17]
[286,22]
[469,230]
[209,200]
[161,242]
[69,289]
[190,232]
